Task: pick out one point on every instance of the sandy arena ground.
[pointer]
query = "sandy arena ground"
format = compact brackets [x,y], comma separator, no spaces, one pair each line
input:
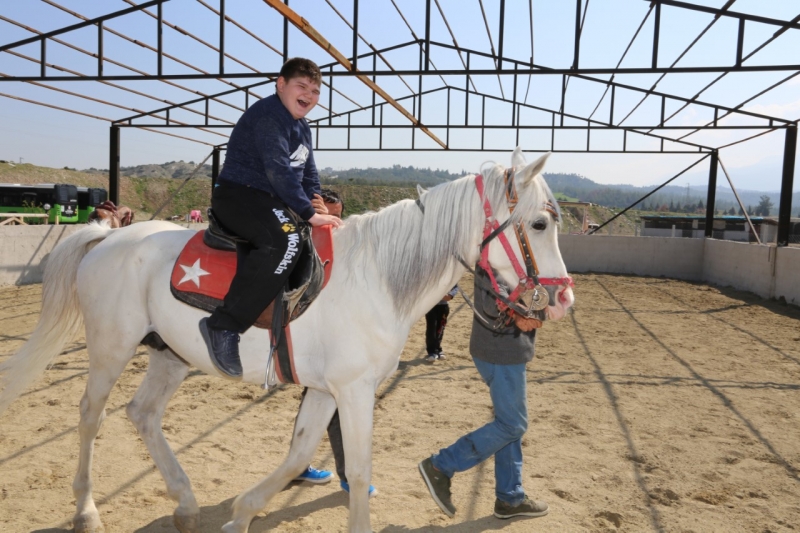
[657,405]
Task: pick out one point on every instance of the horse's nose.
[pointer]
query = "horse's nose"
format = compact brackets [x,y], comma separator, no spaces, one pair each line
[565,297]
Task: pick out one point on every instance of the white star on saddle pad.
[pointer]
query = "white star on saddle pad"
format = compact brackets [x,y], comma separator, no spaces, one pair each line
[193,273]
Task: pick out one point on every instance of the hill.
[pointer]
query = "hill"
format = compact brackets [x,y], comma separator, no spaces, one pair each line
[145,195]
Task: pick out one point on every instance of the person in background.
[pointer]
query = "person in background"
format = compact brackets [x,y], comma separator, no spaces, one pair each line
[501,356]
[265,190]
[435,321]
[335,206]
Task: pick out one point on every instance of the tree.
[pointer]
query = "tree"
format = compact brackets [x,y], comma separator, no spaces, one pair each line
[764,206]
[732,211]
[700,206]
[671,207]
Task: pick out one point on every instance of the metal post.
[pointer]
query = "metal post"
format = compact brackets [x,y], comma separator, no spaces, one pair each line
[739,43]
[500,36]
[43,64]
[215,166]
[712,194]
[785,205]
[113,168]
[355,35]
[160,38]
[575,60]
[427,35]
[286,36]
[656,30]
[221,36]
[99,49]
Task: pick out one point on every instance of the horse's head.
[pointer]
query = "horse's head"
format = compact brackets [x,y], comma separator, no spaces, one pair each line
[522,233]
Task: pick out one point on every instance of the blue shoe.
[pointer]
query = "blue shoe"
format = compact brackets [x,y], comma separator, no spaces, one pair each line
[312,475]
[223,349]
[346,487]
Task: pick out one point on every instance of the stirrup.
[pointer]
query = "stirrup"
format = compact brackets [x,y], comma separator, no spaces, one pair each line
[270,377]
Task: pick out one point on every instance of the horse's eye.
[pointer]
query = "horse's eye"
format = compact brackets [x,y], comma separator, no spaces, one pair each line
[539,225]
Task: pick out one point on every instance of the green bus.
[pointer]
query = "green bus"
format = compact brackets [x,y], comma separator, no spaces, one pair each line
[64,203]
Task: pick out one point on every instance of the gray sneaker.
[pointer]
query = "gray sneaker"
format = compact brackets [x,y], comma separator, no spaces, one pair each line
[526,507]
[438,485]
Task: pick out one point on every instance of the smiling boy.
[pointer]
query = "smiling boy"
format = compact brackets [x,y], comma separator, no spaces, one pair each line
[265,189]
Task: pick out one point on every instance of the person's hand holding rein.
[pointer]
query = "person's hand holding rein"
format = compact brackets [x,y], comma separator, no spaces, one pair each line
[319,205]
[321,220]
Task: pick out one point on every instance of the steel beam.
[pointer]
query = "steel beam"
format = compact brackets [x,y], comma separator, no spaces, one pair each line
[304,26]
[785,205]
[711,199]
[113,165]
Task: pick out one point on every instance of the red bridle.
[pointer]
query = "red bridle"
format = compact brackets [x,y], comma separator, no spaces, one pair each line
[529,280]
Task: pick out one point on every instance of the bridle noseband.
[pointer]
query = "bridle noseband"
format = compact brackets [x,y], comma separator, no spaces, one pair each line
[529,280]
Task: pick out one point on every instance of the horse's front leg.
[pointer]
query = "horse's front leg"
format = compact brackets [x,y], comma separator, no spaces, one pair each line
[356,405]
[315,413]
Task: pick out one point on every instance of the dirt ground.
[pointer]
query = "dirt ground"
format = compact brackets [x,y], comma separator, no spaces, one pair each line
[658,405]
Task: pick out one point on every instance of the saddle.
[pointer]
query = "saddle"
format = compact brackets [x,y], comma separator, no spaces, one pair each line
[203,272]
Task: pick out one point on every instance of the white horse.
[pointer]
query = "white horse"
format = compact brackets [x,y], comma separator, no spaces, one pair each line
[390,268]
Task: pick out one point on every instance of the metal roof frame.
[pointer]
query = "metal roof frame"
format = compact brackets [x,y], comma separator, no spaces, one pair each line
[372,67]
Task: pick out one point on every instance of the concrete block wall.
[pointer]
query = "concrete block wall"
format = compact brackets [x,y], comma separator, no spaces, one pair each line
[767,271]
[737,264]
[641,256]
[23,249]
[787,275]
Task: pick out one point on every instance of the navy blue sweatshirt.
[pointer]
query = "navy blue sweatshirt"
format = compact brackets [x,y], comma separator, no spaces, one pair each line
[271,151]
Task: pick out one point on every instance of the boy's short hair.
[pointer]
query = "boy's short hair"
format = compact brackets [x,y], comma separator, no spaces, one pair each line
[332,197]
[300,67]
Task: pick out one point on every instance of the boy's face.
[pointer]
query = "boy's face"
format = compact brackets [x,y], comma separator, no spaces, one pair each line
[334,209]
[298,95]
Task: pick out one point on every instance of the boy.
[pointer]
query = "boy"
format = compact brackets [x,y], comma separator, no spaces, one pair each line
[264,191]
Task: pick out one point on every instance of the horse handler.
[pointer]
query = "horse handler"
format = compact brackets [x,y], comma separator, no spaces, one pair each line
[500,357]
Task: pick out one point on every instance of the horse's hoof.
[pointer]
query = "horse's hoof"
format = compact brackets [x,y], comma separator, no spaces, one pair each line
[88,524]
[186,523]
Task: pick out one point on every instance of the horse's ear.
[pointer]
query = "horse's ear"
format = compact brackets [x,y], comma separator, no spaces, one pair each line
[420,190]
[534,169]
[517,158]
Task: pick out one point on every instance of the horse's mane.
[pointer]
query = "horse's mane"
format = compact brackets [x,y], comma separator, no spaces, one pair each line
[413,251]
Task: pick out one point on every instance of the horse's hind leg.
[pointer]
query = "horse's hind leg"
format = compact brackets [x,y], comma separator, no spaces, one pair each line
[315,413]
[164,375]
[103,373]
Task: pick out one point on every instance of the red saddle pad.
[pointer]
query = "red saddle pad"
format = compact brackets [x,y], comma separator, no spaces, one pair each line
[207,271]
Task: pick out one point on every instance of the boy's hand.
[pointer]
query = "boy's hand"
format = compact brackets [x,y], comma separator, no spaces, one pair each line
[447,298]
[526,324]
[322,220]
[319,205]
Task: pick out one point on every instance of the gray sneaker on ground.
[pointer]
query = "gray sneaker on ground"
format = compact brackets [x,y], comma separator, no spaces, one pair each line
[438,485]
[526,507]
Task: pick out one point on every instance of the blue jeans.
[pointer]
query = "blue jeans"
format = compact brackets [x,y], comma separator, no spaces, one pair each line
[502,437]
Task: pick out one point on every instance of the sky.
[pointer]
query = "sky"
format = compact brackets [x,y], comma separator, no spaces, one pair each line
[56,138]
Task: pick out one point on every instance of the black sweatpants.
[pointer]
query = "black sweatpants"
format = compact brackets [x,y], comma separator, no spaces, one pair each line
[265,262]
[435,321]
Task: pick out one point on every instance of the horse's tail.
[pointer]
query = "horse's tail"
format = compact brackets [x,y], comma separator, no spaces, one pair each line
[60,318]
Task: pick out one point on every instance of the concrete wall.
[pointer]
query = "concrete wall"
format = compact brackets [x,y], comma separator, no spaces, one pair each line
[737,264]
[22,249]
[767,271]
[642,256]
[787,275]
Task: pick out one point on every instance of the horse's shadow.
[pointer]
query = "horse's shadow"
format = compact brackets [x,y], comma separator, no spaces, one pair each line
[213,517]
